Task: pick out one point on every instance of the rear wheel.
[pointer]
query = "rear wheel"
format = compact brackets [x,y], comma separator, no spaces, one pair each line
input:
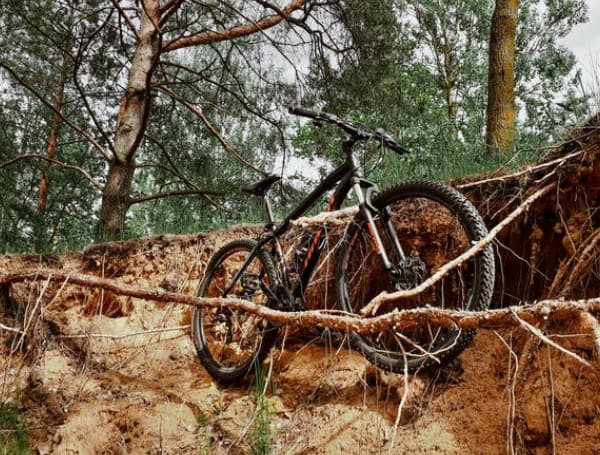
[434,224]
[230,342]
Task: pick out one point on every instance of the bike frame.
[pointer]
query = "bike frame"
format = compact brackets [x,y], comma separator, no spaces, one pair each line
[342,180]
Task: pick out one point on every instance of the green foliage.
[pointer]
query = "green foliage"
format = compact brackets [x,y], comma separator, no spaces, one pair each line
[407,94]
[38,39]
[13,430]
[230,81]
[260,434]
[548,83]
[424,80]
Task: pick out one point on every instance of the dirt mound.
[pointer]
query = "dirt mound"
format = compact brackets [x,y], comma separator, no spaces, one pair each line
[148,394]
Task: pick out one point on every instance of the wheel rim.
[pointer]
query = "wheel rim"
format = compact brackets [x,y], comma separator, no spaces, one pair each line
[233,338]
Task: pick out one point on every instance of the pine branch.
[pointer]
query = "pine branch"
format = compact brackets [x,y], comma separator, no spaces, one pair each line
[106,154]
[235,32]
[197,192]
[71,167]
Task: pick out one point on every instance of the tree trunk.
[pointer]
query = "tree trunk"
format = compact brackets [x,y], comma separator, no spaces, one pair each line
[131,126]
[39,228]
[501,77]
[115,199]
[450,85]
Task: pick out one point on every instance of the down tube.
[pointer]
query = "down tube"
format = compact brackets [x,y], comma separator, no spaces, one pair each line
[242,269]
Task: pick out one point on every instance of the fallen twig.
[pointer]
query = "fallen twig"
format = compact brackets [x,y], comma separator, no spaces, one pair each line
[127,335]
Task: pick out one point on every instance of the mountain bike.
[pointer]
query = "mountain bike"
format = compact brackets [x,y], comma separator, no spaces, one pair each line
[398,238]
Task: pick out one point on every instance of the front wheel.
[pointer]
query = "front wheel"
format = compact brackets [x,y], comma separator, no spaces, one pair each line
[434,224]
[230,342]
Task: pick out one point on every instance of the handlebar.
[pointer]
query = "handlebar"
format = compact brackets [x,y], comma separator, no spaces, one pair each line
[356,130]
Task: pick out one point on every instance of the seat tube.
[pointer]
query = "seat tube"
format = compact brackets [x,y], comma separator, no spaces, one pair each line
[373,234]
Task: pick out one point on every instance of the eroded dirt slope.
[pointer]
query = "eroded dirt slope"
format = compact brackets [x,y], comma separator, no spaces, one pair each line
[98,373]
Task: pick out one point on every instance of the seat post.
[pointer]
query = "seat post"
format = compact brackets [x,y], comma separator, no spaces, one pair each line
[267,205]
[260,189]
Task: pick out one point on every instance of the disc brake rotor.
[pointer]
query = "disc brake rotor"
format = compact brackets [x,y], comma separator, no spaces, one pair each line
[411,273]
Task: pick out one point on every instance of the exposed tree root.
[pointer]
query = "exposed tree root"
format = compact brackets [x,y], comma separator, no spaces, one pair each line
[544,221]
[539,313]
[549,253]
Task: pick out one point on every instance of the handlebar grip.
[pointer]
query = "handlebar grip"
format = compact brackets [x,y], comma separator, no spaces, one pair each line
[297,110]
[387,140]
[396,147]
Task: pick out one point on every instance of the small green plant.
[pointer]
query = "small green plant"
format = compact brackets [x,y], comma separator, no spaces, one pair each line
[260,437]
[204,434]
[217,406]
[13,430]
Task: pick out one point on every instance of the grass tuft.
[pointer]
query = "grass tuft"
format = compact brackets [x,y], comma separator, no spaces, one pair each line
[260,437]
[13,430]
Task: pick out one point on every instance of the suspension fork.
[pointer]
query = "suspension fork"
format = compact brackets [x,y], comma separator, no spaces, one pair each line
[367,209]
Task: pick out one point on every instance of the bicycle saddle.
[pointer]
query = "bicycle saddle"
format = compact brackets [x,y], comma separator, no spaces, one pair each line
[260,188]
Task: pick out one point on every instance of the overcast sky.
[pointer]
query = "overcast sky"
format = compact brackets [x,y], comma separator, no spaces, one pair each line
[584,41]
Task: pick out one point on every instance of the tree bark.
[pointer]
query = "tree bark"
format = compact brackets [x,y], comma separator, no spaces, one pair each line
[448,72]
[131,125]
[501,77]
